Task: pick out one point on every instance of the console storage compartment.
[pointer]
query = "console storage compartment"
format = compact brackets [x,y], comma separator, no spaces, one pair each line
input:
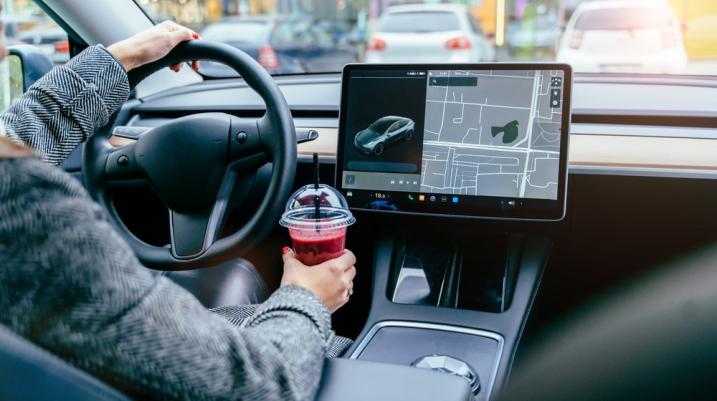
[405,343]
[351,380]
[479,274]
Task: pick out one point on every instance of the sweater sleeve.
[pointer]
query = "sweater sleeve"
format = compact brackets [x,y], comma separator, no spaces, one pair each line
[69,283]
[68,104]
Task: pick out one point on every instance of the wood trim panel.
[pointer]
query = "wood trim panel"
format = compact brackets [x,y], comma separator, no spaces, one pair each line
[643,152]
[599,150]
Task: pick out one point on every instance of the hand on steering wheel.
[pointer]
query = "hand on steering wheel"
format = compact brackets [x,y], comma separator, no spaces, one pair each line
[151,45]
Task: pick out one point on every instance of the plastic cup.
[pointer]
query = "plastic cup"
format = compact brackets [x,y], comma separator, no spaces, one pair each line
[317,230]
[313,247]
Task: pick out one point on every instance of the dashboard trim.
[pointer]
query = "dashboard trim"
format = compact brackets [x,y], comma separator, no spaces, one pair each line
[326,144]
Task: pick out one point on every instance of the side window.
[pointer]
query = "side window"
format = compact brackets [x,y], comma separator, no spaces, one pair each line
[23,22]
[26,23]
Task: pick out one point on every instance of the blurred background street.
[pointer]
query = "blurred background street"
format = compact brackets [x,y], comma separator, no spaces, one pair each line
[299,36]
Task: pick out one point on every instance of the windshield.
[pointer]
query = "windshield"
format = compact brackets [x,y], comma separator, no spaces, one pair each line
[594,36]
[623,18]
[239,32]
[420,21]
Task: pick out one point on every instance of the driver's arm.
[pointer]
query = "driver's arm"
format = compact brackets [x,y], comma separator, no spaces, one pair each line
[69,283]
[72,101]
[68,104]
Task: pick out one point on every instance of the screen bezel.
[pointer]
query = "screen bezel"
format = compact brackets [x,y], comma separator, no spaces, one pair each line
[529,209]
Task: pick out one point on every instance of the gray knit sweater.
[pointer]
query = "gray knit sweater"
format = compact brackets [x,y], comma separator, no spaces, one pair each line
[70,284]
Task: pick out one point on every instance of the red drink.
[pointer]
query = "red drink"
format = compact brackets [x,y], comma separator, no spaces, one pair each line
[317,216]
[313,247]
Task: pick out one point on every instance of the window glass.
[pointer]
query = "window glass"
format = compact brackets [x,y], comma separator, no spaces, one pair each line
[622,18]
[26,23]
[420,22]
[238,31]
[473,24]
[23,22]
[594,36]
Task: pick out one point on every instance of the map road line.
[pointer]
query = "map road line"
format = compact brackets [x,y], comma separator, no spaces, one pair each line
[531,119]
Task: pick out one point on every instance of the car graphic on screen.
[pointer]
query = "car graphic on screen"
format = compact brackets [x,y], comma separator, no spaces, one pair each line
[384,132]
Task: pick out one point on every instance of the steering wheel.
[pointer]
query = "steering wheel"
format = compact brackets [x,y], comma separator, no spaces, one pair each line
[193,164]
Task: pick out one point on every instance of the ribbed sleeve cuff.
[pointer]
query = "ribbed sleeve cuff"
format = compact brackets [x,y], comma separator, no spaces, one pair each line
[296,299]
[90,87]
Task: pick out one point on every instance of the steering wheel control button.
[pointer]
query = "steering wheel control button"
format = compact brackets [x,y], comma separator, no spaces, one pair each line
[121,164]
[452,366]
[241,137]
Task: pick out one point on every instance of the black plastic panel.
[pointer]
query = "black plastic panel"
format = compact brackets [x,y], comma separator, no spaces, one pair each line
[509,324]
[404,345]
[351,380]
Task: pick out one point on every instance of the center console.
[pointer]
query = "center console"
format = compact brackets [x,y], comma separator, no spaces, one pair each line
[465,309]
[455,143]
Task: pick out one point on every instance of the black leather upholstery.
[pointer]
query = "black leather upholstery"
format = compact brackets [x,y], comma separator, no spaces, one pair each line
[29,373]
[228,284]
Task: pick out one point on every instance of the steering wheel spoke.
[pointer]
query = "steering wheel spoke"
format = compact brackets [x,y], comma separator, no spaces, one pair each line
[193,232]
[122,164]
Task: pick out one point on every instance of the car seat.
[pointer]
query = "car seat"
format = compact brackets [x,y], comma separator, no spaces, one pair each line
[236,282]
[29,373]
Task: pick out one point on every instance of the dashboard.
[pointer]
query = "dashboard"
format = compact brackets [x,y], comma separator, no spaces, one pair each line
[480,140]
[613,130]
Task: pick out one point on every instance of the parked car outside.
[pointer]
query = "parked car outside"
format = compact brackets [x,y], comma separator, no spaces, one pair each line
[438,33]
[282,45]
[624,36]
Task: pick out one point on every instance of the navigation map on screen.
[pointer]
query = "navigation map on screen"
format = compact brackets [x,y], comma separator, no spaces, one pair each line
[453,136]
[492,133]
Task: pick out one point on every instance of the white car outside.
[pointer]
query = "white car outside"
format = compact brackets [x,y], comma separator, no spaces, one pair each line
[428,33]
[624,36]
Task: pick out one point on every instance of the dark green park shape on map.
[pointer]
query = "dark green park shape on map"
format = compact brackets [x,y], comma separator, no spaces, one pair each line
[510,131]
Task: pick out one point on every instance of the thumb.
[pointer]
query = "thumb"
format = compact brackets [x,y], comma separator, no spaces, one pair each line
[287,254]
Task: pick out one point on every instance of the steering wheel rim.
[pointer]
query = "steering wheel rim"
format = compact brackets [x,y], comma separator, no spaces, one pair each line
[272,135]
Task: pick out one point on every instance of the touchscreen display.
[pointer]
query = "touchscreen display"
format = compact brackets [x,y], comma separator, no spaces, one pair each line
[477,142]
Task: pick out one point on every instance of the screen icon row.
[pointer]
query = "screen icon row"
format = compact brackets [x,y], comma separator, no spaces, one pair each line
[402,182]
[434,198]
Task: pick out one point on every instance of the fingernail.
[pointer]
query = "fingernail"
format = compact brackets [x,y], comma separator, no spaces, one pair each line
[195,35]
[285,250]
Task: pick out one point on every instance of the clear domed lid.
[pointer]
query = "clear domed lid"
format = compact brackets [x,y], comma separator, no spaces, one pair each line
[317,205]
